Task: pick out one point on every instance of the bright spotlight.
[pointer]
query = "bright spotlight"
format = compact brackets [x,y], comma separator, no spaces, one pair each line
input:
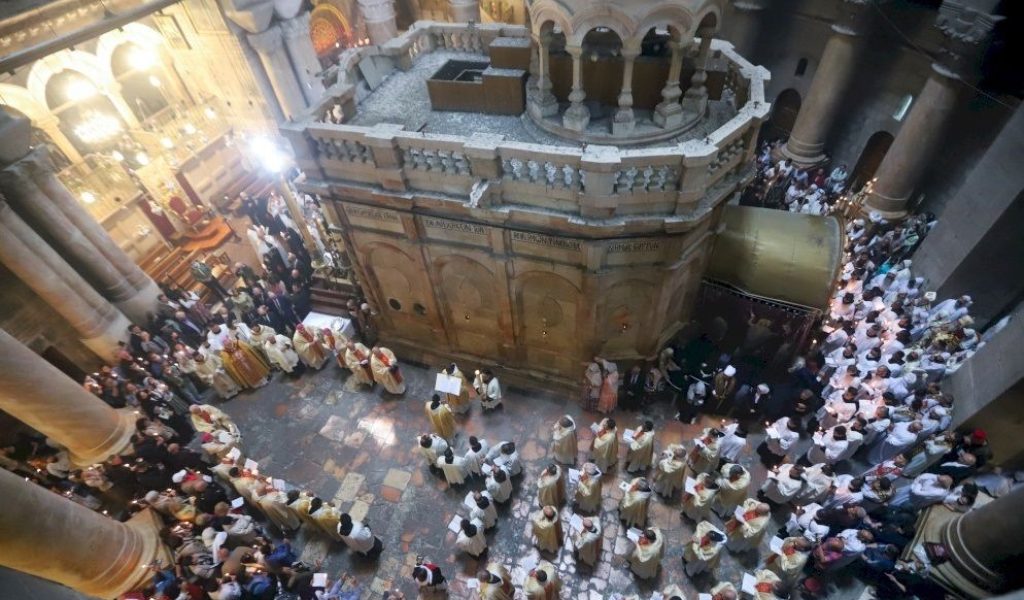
[88,197]
[273,158]
[79,88]
[141,59]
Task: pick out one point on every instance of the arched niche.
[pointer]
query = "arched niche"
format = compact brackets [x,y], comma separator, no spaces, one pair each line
[89,119]
[135,68]
[784,111]
[870,158]
[329,30]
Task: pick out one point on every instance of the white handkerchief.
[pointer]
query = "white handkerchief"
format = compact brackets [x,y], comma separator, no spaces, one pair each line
[690,486]
[320,580]
[627,436]
[279,484]
[252,465]
[574,476]
[749,585]
[472,583]
[456,525]
[234,454]
[595,427]
[633,534]
[776,544]
[238,502]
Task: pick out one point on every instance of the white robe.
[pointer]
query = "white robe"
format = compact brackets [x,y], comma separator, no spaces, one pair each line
[779,487]
[474,459]
[501,492]
[455,472]
[474,546]
[280,353]
[360,538]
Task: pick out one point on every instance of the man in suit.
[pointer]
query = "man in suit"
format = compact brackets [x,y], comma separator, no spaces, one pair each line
[280,304]
[193,334]
[632,389]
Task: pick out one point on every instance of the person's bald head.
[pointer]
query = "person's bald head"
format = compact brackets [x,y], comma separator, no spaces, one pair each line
[549,512]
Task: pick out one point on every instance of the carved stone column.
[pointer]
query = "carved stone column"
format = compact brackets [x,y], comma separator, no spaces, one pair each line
[304,59]
[985,548]
[577,116]
[99,324]
[380,20]
[624,121]
[40,396]
[695,101]
[669,112]
[806,144]
[40,196]
[269,45]
[545,103]
[966,32]
[464,11]
[49,536]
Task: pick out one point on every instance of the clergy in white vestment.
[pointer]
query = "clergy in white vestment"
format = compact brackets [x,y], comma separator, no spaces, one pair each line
[327,517]
[488,388]
[499,485]
[210,369]
[668,475]
[640,450]
[604,452]
[829,446]
[495,583]
[259,334]
[633,506]
[310,347]
[483,509]
[207,418]
[802,522]
[697,504]
[358,536]
[471,538]
[563,440]
[357,361]
[789,563]
[647,553]
[768,585]
[453,467]
[551,487]
[745,531]
[475,455]
[704,550]
[280,353]
[703,456]
[547,529]
[818,480]
[733,443]
[542,583]
[733,487]
[587,542]
[299,501]
[588,490]
[672,592]
[925,490]
[781,436]
[274,504]
[431,447]
[783,483]
[504,454]
[386,371]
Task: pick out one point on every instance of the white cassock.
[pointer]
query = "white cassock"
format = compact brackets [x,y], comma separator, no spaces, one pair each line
[779,487]
[490,392]
[563,443]
[804,524]
[816,486]
[455,471]
[668,476]
[842,494]
[475,458]
[925,491]
[789,564]
[511,462]
[502,491]
[854,439]
[360,538]
[434,451]
[488,515]
[588,544]
[640,451]
[779,437]
[731,493]
[829,450]
[698,557]
[280,353]
[475,545]
[646,557]
[731,445]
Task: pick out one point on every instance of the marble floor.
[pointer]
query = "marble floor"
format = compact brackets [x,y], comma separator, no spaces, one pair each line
[357,448]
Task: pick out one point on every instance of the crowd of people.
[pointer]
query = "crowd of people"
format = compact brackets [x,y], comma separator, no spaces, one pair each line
[781,184]
[853,456]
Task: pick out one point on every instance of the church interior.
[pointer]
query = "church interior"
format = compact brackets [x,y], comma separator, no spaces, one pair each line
[511,299]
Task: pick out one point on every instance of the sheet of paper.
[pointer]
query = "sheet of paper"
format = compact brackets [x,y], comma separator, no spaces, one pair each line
[595,427]
[772,433]
[749,585]
[320,580]
[633,534]
[704,597]
[470,502]
[817,437]
[472,583]
[738,513]
[776,544]
[627,436]
[441,383]
[238,502]
[690,486]
[866,407]
[456,524]
[234,454]
[657,596]
[454,386]
[574,476]
[225,437]
[252,465]
[279,484]
[486,468]
[624,486]
[530,562]
[576,522]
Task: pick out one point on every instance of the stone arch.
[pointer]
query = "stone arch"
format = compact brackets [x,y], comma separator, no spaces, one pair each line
[672,17]
[784,111]
[73,60]
[709,18]
[606,16]
[133,33]
[23,101]
[549,308]
[328,28]
[546,11]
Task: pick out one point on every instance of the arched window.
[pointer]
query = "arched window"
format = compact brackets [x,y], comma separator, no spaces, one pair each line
[801,67]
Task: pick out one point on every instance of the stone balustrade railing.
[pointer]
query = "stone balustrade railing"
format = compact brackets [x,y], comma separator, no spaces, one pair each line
[593,182]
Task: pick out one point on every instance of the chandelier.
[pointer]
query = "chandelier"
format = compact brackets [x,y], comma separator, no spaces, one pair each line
[97,127]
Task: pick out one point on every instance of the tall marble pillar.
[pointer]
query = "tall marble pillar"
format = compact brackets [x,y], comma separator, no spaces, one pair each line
[47,535]
[98,323]
[40,396]
[985,547]
[464,11]
[303,55]
[966,30]
[269,45]
[577,116]
[41,197]
[806,144]
[380,20]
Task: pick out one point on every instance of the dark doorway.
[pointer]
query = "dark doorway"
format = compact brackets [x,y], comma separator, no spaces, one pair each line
[56,358]
[784,111]
[870,157]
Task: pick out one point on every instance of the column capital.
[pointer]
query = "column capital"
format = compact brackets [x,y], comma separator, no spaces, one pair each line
[296,28]
[967,31]
[851,17]
[267,42]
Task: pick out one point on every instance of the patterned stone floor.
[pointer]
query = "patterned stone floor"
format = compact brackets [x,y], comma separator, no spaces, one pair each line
[357,447]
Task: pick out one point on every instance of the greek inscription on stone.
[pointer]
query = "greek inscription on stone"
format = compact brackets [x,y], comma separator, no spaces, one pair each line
[454,226]
[545,240]
[371,213]
[629,247]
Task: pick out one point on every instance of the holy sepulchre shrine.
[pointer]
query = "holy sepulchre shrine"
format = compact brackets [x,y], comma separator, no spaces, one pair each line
[511,299]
